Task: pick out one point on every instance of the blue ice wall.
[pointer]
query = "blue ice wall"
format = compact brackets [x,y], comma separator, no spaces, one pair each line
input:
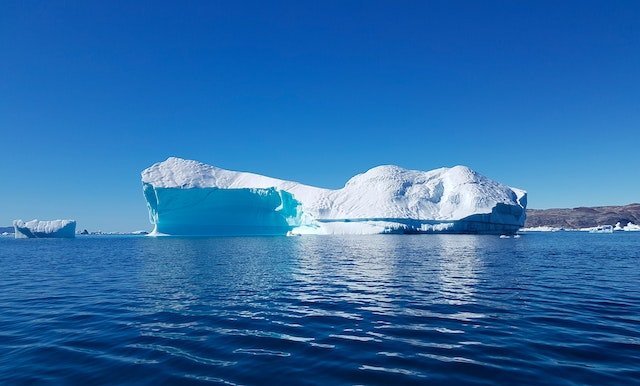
[213,211]
[244,212]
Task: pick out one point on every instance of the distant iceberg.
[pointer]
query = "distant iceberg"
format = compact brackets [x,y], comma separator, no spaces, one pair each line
[187,197]
[542,228]
[630,227]
[45,229]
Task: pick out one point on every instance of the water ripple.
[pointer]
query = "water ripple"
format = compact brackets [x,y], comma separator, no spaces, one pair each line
[542,309]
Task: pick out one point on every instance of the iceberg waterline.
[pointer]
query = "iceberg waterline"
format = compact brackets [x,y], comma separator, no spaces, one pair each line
[186,197]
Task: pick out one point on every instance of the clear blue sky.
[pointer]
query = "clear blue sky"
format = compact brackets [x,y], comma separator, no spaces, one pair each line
[539,95]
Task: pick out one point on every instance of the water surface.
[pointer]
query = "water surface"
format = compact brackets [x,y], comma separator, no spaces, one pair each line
[559,308]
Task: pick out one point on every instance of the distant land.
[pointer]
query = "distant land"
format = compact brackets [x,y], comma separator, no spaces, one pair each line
[583,217]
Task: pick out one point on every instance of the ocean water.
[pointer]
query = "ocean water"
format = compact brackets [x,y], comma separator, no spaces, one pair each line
[560,308]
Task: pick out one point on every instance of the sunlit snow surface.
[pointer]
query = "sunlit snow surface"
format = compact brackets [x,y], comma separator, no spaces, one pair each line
[44,229]
[187,197]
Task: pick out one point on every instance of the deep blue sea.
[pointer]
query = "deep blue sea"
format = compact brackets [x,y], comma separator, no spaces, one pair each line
[561,308]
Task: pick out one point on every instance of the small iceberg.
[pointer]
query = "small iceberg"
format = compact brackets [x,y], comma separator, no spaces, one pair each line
[602,229]
[44,229]
[630,227]
[543,228]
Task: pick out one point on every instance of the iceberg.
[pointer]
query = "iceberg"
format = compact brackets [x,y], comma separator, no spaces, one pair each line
[542,228]
[44,229]
[630,227]
[186,197]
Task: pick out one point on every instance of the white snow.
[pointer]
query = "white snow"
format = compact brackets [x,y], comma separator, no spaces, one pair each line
[51,228]
[378,195]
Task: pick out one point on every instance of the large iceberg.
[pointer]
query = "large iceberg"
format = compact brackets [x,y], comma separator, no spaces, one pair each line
[48,229]
[187,197]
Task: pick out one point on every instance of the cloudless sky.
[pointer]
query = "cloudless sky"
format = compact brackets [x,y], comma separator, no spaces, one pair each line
[542,95]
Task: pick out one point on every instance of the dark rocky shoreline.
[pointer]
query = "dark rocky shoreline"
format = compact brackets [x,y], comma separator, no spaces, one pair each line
[583,217]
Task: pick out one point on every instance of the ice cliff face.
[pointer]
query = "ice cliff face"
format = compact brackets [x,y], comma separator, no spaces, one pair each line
[45,229]
[187,197]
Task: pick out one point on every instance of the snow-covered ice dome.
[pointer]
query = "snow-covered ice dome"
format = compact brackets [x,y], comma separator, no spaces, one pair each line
[187,197]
